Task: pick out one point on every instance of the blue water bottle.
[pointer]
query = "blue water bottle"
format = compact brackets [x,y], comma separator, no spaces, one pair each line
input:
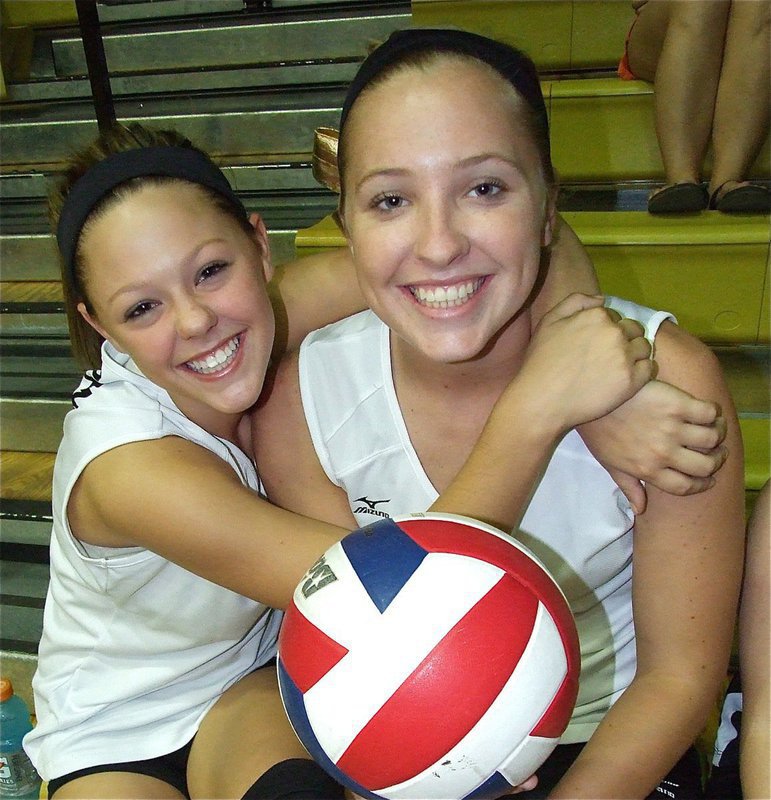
[18,778]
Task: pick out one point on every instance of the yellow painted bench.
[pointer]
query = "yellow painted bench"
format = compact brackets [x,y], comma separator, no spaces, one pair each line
[602,129]
[709,269]
[557,34]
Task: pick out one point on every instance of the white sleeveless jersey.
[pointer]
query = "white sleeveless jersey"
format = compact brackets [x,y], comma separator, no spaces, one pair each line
[135,649]
[578,523]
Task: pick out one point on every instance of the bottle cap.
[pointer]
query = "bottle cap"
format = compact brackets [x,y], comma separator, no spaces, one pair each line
[6,689]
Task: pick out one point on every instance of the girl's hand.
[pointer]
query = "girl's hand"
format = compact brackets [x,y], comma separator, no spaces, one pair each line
[584,361]
[662,436]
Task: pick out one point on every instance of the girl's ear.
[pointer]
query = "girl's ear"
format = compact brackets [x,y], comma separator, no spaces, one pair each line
[339,217]
[94,323]
[261,238]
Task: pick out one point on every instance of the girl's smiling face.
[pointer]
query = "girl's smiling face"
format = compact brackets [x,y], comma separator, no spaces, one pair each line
[177,284]
[446,208]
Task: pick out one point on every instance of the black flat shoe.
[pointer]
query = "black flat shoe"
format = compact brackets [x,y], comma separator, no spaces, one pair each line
[679,197]
[750,198]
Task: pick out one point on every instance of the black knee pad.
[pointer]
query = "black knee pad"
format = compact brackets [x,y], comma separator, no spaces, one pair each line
[295,779]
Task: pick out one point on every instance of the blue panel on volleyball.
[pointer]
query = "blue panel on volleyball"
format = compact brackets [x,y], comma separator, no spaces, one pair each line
[294,704]
[495,786]
[384,558]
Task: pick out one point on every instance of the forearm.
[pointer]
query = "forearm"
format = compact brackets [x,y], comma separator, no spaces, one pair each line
[497,480]
[754,749]
[755,654]
[557,387]
[640,739]
[570,270]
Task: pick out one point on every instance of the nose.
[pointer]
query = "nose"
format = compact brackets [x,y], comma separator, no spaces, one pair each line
[440,237]
[194,317]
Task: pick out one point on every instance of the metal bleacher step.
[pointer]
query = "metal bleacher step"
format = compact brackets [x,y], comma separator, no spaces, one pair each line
[227,65]
[235,41]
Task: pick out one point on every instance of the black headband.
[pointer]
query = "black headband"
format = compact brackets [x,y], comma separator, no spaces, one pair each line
[170,161]
[512,64]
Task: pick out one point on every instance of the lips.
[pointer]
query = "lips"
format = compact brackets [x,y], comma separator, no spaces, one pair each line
[449,296]
[217,360]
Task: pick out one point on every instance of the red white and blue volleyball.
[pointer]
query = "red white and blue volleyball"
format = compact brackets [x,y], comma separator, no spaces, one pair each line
[429,656]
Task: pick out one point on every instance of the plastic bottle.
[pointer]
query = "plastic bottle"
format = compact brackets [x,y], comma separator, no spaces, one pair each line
[18,778]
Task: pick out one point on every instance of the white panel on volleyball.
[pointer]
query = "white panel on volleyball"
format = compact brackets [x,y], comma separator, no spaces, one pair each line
[507,720]
[386,648]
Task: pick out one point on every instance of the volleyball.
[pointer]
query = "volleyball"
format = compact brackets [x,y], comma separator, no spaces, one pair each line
[428,656]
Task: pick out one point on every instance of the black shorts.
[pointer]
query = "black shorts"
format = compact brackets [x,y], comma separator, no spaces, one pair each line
[171,768]
[683,782]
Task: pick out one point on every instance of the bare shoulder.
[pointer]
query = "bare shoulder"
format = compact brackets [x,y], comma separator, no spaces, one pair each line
[686,361]
[279,409]
[285,453]
[688,550]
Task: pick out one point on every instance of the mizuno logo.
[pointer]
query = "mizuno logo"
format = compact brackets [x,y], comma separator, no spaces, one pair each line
[369,506]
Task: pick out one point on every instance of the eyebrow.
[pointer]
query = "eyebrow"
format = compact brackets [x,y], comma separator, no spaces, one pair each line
[465,163]
[133,287]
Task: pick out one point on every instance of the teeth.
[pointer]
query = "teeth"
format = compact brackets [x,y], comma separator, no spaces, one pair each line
[217,360]
[446,297]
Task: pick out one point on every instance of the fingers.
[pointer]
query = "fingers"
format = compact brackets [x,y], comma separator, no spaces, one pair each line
[677,483]
[527,786]
[704,438]
[633,489]
[644,370]
[631,328]
[704,412]
[571,305]
[691,409]
[639,348]
[695,464]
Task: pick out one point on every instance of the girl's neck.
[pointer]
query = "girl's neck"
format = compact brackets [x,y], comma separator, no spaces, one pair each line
[491,370]
[445,406]
[228,427]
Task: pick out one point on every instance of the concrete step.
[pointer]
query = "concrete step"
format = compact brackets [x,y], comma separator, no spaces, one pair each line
[24,587]
[251,78]
[234,41]
[281,188]
[226,125]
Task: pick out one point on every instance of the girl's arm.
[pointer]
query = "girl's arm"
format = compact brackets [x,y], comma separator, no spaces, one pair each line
[181,501]
[563,379]
[687,570]
[569,270]
[662,435]
[754,654]
[311,292]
